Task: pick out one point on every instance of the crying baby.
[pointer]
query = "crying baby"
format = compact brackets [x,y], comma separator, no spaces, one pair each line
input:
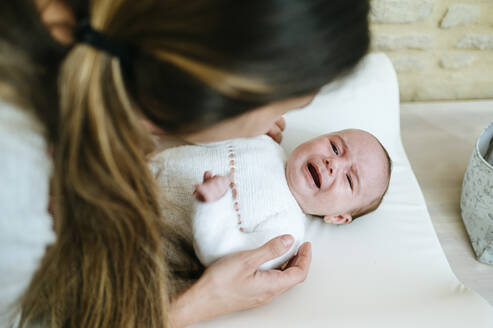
[241,193]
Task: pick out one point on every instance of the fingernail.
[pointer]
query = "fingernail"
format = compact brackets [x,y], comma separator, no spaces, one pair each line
[287,240]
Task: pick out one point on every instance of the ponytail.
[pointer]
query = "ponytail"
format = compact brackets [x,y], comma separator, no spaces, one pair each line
[107,267]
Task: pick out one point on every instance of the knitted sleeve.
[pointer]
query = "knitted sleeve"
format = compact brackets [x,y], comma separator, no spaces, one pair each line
[25,225]
[216,232]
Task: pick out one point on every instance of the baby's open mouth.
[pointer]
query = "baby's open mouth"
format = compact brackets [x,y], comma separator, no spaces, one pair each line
[314,174]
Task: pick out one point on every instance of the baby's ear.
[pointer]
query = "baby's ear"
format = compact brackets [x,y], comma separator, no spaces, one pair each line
[338,219]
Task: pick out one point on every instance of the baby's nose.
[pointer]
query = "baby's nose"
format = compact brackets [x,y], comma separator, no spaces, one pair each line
[328,164]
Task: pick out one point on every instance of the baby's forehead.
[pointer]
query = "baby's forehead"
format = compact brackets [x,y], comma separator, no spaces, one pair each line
[354,138]
[352,133]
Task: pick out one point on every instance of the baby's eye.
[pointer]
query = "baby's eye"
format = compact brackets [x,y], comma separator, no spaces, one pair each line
[349,181]
[334,148]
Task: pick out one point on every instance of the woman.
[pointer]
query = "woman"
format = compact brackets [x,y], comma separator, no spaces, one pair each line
[201,69]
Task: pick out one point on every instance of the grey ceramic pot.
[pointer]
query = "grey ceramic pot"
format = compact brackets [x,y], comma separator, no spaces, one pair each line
[477,199]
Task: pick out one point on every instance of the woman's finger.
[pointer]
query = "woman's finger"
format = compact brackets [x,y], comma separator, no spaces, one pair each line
[298,268]
[277,281]
[270,250]
[275,133]
[281,123]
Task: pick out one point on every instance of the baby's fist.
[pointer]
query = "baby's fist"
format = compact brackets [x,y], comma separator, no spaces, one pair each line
[212,188]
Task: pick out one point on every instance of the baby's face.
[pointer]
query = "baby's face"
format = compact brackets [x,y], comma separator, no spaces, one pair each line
[336,174]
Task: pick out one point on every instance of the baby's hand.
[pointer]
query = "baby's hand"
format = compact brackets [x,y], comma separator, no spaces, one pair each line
[212,188]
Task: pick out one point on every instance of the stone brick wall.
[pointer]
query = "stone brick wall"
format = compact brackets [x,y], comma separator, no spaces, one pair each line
[441,49]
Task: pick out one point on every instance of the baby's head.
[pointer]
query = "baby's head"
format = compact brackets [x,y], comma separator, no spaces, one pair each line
[340,175]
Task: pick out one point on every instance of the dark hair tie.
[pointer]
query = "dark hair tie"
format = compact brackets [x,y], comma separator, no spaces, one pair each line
[84,33]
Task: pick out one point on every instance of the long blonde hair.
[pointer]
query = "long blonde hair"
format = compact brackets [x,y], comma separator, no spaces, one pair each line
[199,62]
[106,268]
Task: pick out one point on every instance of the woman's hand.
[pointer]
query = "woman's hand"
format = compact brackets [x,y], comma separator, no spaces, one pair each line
[234,283]
[275,132]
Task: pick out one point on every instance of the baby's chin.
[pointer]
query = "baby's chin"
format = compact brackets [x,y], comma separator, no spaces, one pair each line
[294,192]
[305,205]
[293,185]
[300,199]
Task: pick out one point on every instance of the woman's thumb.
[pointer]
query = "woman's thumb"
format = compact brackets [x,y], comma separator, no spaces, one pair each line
[272,249]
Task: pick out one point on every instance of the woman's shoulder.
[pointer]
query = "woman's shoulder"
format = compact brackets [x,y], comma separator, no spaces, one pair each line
[25,166]
[19,125]
[25,224]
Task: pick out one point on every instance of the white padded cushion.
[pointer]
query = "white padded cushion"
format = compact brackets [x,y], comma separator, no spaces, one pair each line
[386,269]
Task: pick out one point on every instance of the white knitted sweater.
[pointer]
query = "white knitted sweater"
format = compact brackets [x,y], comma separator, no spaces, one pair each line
[258,207]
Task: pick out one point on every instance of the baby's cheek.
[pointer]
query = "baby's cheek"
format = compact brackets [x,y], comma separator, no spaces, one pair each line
[323,205]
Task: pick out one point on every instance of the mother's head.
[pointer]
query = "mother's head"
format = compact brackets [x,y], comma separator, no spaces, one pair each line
[199,62]
[196,63]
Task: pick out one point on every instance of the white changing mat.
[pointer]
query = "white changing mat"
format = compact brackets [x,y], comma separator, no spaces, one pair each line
[386,269]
